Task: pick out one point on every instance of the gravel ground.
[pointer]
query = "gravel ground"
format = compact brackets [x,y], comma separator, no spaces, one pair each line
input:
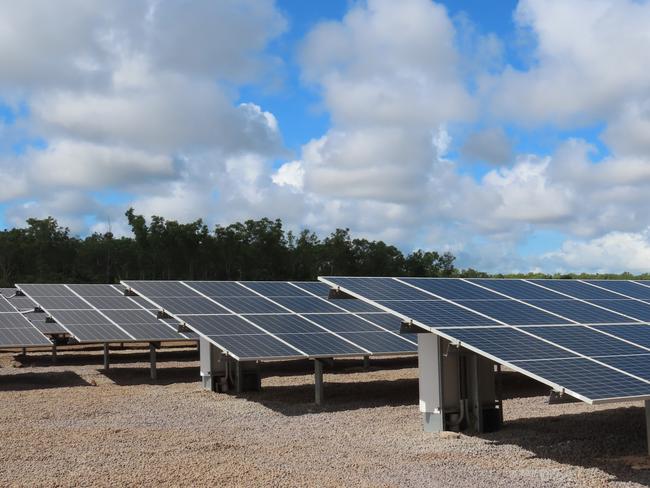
[70,424]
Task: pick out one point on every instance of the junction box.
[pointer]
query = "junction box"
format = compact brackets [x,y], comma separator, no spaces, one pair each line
[458,388]
[222,373]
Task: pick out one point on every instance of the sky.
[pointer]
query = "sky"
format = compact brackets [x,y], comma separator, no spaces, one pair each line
[516,136]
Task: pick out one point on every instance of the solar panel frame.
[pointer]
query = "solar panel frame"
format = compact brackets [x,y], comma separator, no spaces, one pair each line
[16,330]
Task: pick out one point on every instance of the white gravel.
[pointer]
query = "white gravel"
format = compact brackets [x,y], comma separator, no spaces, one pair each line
[70,424]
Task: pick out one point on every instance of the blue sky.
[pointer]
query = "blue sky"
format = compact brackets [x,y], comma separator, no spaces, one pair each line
[508,135]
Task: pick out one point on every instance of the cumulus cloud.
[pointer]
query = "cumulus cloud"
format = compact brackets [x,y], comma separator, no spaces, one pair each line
[490,146]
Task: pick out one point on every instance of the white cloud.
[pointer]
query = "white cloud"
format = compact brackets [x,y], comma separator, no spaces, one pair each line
[620,251]
[588,60]
[489,146]
[290,174]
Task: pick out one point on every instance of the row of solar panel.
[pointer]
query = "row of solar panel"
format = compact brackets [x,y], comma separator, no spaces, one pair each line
[16,330]
[262,320]
[595,363]
[492,302]
[101,313]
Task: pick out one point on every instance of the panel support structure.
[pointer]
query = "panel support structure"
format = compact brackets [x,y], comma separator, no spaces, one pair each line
[106,357]
[430,382]
[152,360]
[318,382]
[366,362]
[647,424]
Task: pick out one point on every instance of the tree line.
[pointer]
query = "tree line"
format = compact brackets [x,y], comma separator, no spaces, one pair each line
[161,249]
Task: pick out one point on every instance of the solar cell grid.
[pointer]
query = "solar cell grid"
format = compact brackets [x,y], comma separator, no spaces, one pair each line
[507,343]
[315,287]
[438,313]
[308,304]
[584,340]
[382,289]
[581,312]
[216,325]
[321,344]
[380,342]
[631,308]
[255,304]
[592,380]
[275,289]
[284,324]
[453,289]
[512,312]
[250,347]
[637,365]
[354,305]
[220,288]
[627,288]
[636,333]
[5,306]
[38,291]
[113,303]
[517,289]
[189,305]
[62,303]
[88,291]
[344,323]
[576,289]
[157,289]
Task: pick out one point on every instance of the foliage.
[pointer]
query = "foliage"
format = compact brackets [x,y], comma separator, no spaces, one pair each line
[160,249]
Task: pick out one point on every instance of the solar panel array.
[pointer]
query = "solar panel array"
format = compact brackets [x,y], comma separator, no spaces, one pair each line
[101,313]
[16,330]
[277,320]
[588,337]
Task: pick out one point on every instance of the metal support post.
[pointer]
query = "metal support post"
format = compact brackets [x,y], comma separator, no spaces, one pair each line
[366,362]
[24,351]
[152,360]
[318,382]
[647,424]
[430,382]
[106,358]
[54,352]
[239,378]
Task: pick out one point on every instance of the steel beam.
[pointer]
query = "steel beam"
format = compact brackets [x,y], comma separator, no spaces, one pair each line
[152,360]
[107,363]
[318,382]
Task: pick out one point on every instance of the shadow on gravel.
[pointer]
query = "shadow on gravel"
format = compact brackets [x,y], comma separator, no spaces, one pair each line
[39,381]
[516,385]
[117,355]
[592,440]
[295,400]
[338,366]
[141,376]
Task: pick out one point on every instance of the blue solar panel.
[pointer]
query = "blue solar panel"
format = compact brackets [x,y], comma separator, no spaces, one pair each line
[637,333]
[438,313]
[315,287]
[254,304]
[215,325]
[284,324]
[155,289]
[506,343]
[188,305]
[517,289]
[380,342]
[344,323]
[251,347]
[381,289]
[275,289]
[309,304]
[385,320]
[576,289]
[220,288]
[627,288]
[632,308]
[354,305]
[581,312]
[636,365]
[584,340]
[453,289]
[321,344]
[512,312]
[587,378]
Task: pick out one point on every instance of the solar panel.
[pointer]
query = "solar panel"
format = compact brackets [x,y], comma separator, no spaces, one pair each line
[592,342]
[16,330]
[101,313]
[627,288]
[592,380]
[295,315]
